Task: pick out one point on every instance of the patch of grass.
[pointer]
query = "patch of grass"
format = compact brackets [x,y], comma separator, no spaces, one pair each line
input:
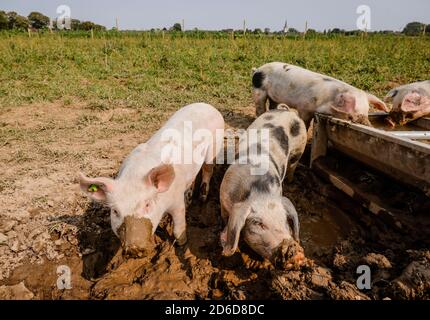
[85,120]
[151,72]
[98,105]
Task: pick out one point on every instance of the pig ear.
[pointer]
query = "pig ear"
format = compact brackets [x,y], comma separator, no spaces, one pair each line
[344,103]
[390,95]
[236,221]
[414,102]
[283,106]
[161,177]
[377,103]
[96,188]
[292,218]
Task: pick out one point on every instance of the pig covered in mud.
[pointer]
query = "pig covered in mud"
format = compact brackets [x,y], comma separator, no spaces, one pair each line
[410,102]
[310,92]
[156,177]
[251,191]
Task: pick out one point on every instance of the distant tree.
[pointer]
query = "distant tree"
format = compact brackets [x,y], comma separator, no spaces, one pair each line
[413,29]
[74,24]
[11,17]
[99,27]
[352,32]
[428,29]
[16,21]
[177,27]
[38,20]
[335,31]
[88,25]
[266,30]
[257,31]
[311,32]
[4,21]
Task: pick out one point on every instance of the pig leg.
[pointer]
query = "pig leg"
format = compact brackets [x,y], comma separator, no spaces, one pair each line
[290,171]
[224,214]
[223,235]
[179,224]
[293,161]
[207,171]
[260,98]
[189,194]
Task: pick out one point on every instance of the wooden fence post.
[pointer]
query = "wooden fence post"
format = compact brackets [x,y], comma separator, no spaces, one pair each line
[306,30]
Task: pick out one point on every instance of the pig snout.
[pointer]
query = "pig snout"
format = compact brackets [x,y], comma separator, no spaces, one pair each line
[136,237]
[362,119]
[289,255]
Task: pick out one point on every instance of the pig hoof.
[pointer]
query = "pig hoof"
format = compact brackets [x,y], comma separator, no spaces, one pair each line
[203,192]
[182,240]
[188,197]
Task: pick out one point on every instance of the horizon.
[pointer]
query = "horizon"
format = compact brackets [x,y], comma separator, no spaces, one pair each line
[133,15]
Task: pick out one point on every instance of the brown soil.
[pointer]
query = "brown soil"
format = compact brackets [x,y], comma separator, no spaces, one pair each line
[48,223]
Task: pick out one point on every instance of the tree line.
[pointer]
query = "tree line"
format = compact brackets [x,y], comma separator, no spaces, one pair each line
[411,29]
[38,21]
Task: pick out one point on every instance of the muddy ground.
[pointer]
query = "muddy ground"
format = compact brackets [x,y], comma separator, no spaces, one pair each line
[45,222]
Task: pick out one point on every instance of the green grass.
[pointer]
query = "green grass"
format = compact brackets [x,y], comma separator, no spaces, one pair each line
[151,72]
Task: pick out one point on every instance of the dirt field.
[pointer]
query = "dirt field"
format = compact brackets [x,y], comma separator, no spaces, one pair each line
[46,222]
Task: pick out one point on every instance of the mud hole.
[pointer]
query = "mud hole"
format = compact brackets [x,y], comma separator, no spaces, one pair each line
[337,235]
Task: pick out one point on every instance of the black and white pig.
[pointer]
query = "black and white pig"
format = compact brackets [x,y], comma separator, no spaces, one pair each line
[310,92]
[150,184]
[252,204]
[410,102]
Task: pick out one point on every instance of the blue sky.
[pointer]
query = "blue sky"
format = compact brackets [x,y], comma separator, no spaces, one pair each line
[221,14]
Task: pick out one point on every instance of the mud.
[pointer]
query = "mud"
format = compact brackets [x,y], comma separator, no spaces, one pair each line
[57,226]
[136,236]
[335,242]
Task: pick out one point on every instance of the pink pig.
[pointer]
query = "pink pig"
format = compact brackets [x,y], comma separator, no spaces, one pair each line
[310,92]
[410,102]
[148,186]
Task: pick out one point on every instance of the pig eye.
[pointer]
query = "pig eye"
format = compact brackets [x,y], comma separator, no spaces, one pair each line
[115,213]
[146,206]
[258,223]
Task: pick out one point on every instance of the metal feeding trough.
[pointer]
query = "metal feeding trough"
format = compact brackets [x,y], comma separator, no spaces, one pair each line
[402,155]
